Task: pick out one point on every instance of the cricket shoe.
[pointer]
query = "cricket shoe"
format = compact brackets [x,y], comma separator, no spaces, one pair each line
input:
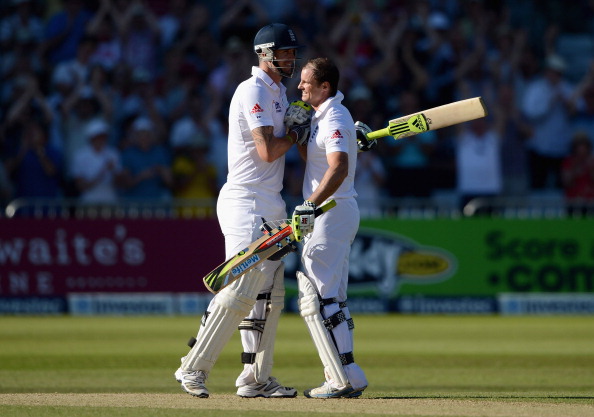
[192,382]
[270,389]
[327,390]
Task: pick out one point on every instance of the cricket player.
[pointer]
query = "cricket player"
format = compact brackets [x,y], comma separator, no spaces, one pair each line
[331,156]
[258,141]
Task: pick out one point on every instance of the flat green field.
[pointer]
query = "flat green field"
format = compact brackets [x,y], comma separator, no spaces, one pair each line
[416,366]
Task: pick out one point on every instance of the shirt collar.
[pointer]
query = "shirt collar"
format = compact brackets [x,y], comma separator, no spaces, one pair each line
[324,106]
[260,73]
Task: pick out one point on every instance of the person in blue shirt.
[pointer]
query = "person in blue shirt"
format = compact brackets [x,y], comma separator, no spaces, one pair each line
[146,165]
[36,167]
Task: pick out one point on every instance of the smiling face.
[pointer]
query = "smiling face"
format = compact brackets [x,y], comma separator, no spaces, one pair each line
[312,91]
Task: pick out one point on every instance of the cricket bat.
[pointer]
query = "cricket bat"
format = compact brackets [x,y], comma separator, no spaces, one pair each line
[433,119]
[257,252]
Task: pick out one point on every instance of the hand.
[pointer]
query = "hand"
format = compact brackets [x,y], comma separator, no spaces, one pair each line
[298,113]
[302,133]
[298,120]
[303,219]
[363,142]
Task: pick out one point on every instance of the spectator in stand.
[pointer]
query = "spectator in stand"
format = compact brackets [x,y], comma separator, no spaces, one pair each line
[370,179]
[103,28]
[547,106]
[171,23]
[410,157]
[64,31]
[97,166]
[583,101]
[79,112]
[514,132]
[80,66]
[141,36]
[195,177]
[36,168]
[146,172]
[6,189]
[20,24]
[143,100]
[478,161]
[196,123]
[577,171]
[62,86]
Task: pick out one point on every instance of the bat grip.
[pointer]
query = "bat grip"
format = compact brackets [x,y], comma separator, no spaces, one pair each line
[376,134]
[324,207]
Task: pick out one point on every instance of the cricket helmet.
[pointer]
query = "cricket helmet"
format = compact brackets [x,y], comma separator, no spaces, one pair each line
[273,37]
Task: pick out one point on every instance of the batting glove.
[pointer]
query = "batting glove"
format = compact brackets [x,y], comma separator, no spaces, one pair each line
[302,132]
[303,219]
[298,113]
[363,142]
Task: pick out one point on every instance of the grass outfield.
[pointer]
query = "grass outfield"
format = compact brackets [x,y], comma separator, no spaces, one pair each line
[416,366]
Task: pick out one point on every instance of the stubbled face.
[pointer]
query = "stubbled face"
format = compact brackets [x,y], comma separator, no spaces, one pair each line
[285,61]
[312,92]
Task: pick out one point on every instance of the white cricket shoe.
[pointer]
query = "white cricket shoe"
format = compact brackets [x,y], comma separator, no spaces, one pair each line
[327,390]
[192,382]
[271,389]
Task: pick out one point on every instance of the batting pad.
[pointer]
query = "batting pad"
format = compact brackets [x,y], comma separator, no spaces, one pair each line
[265,353]
[309,306]
[230,306]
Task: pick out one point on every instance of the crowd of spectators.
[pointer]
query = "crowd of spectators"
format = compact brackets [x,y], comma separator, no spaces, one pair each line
[109,100]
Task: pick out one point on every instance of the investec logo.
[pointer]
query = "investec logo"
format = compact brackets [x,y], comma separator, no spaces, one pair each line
[245,265]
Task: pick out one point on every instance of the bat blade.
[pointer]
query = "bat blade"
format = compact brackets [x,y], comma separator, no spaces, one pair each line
[433,119]
[256,253]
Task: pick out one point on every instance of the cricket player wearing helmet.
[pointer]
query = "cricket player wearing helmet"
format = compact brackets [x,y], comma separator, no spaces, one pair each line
[331,155]
[258,141]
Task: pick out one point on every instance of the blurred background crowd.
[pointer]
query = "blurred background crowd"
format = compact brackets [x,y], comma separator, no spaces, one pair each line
[105,101]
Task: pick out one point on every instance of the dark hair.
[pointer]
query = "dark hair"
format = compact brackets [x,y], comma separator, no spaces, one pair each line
[324,70]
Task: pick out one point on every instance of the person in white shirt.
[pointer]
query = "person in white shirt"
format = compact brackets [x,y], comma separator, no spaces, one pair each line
[97,166]
[258,141]
[331,156]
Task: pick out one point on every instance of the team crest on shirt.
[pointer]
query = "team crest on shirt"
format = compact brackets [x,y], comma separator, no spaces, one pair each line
[277,106]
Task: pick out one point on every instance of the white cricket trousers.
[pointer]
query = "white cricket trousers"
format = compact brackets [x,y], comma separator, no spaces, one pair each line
[325,255]
[240,211]
[325,260]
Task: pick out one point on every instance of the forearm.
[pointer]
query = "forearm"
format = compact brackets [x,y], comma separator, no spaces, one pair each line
[331,181]
[270,147]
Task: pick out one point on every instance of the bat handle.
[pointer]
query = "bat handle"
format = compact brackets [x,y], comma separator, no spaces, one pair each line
[376,134]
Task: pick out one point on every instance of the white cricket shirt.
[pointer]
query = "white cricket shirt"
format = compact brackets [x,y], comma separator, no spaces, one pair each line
[258,101]
[332,130]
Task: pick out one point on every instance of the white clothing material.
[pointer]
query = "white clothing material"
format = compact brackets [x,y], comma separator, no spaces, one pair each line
[257,102]
[478,163]
[253,186]
[89,164]
[332,130]
[325,254]
[543,106]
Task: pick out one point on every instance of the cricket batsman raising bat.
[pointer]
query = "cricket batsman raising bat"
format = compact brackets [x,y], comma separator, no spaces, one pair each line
[431,119]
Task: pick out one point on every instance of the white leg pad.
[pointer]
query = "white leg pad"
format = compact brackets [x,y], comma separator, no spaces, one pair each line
[309,306]
[265,352]
[230,306]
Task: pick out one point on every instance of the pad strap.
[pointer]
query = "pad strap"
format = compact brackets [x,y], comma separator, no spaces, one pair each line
[332,322]
[346,358]
[252,324]
[247,357]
